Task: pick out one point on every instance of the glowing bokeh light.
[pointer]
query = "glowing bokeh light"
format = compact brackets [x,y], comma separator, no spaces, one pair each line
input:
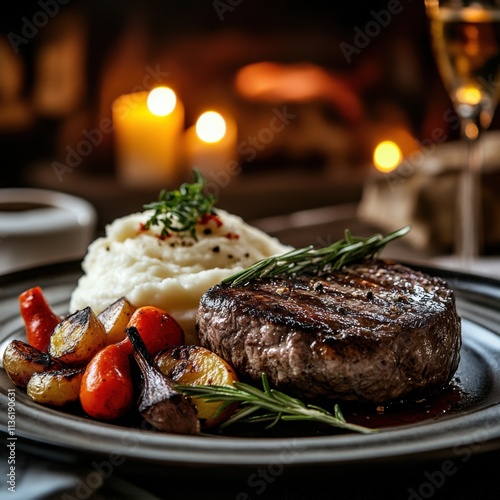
[387,156]
[471,131]
[162,101]
[468,95]
[210,126]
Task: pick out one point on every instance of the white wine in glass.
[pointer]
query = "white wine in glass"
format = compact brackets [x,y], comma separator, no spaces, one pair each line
[466,41]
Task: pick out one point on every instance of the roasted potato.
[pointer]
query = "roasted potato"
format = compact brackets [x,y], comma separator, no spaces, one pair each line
[115,319]
[78,337]
[195,365]
[21,361]
[56,387]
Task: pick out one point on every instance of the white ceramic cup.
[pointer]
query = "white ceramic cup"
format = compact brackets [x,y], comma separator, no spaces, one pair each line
[39,227]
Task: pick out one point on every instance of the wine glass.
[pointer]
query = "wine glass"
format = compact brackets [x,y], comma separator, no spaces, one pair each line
[465,35]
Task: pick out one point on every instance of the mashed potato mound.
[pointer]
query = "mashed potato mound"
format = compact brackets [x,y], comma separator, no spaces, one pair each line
[169,272]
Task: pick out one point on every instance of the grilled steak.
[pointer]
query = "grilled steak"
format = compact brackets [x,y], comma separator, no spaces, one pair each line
[374,331]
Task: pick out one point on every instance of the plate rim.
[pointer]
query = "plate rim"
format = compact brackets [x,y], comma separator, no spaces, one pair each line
[429,438]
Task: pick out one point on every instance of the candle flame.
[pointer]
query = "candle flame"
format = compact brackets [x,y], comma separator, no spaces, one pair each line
[387,156]
[210,126]
[162,101]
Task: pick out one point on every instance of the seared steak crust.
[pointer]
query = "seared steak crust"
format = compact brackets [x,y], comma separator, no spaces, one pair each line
[374,331]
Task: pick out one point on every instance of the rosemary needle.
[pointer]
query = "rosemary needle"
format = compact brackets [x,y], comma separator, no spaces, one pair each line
[308,259]
[267,405]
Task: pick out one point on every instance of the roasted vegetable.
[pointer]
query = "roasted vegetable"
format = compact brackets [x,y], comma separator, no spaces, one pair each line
[21,361]
[115,319]
[39,319]
[157,329]
[195,365]
[78,337]
[107,390]
[159,403]
[55,387]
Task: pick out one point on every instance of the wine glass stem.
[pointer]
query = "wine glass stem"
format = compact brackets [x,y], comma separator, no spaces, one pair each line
[469,197]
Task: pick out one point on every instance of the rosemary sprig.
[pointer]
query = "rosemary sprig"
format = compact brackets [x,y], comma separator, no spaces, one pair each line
[179,210]
[267,405]
[308,259]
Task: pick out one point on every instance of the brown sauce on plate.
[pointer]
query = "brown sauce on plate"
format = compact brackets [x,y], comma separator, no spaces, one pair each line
[408,411]
[446,401]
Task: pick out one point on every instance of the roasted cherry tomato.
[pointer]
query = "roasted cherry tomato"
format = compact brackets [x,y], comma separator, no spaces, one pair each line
[107,390]
[158,329]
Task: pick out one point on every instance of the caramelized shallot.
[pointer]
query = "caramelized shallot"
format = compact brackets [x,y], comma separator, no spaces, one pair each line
[159,403]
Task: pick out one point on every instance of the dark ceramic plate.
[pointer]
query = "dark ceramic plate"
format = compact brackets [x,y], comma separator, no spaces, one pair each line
[470,424]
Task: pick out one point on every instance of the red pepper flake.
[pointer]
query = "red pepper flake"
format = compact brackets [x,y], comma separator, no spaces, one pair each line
[207,218]
[232,236]
[142,228]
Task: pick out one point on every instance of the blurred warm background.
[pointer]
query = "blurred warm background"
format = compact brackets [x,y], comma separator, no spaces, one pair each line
[309,94]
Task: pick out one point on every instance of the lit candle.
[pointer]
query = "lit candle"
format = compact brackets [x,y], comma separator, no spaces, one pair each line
[148,130]
[211,143]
